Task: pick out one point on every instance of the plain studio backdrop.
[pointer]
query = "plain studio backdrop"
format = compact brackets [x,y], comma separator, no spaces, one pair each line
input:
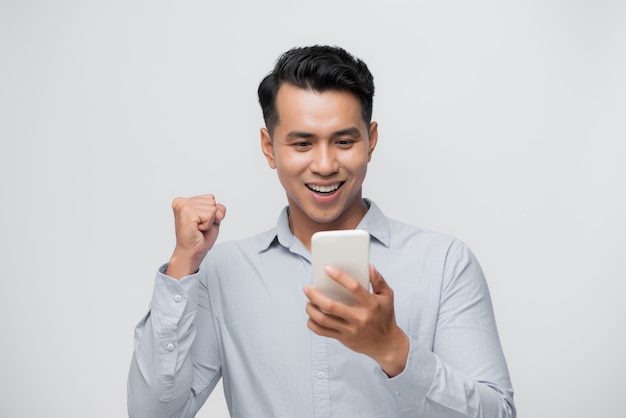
[501,123]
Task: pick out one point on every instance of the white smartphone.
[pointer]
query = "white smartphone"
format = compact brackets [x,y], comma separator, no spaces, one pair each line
[349,251]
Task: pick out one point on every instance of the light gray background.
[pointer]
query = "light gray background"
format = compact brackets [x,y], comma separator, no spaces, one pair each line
[501,123]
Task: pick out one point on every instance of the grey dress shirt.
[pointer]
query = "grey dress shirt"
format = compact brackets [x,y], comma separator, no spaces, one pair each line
[242,318]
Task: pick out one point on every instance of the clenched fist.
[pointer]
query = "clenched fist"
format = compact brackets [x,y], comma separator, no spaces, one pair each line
[197,221]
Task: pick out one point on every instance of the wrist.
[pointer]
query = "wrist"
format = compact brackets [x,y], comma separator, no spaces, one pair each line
[393,359]
[180,266]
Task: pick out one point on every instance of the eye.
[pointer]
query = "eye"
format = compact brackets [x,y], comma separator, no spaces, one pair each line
[344,143]
[302,145]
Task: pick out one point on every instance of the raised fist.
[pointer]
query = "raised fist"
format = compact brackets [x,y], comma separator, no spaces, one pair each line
[197,220]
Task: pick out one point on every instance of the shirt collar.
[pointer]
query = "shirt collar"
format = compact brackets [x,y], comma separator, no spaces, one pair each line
[374,222]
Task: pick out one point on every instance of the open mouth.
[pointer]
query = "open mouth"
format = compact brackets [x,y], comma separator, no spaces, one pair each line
[324,190]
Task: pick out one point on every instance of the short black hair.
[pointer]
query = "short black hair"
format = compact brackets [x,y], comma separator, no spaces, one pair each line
[320,68]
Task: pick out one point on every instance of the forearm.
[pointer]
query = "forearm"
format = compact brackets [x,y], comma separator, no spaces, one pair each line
[156,387]
[428,387]
[394,358]
[161,372]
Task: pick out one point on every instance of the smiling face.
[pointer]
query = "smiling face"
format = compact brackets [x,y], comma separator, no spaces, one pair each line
[320,148]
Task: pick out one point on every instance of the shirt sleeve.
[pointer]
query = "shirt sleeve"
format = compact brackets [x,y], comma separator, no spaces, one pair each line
[464,373]
[166,379]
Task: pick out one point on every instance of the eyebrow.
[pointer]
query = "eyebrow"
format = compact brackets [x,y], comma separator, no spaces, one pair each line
[342,132]
[299,134]
[348,132]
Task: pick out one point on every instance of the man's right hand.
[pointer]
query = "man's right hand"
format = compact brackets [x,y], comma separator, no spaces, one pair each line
[197,221]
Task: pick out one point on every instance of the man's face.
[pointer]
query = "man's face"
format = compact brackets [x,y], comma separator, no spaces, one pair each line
[320,148]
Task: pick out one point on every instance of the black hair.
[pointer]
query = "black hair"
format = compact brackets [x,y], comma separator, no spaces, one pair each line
[320,68]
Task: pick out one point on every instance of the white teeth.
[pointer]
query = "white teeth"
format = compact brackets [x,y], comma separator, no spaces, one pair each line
[324,189]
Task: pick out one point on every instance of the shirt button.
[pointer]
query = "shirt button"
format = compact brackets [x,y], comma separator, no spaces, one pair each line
[320,375]
[177,298]
[169,347]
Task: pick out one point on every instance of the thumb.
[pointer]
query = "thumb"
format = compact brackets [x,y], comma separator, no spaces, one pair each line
[214,222]
[379,285]
[220,214]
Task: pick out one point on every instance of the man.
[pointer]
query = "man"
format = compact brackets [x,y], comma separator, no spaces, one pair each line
[244,311]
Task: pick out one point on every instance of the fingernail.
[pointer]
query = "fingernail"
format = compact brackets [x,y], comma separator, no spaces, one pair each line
[330,270]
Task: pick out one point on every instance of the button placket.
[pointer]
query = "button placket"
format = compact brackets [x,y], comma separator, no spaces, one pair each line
[321,388]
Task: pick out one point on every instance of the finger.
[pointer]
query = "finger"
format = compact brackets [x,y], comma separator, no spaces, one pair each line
[322,331]
[205,222]
[320,317]
[347,281]
[323,323]
[325,304]
[318,298]
[211,215]
[208,197]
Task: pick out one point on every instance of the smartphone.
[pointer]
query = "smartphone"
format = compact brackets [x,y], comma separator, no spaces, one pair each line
[347,250]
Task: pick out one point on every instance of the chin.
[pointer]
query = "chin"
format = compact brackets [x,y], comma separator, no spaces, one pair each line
[324,218]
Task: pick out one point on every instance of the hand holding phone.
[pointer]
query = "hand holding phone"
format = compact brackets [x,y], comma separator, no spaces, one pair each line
[346,250]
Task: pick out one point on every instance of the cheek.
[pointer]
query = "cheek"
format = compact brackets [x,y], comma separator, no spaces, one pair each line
[290,163]
[360,173]
[356,164]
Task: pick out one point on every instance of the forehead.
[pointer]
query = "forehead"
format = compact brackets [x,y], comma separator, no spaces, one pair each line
[304,109]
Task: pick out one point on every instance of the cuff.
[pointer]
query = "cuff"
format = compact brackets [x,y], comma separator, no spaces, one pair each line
[175,298]
[412,385]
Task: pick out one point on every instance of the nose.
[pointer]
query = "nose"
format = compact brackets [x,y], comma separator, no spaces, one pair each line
[324,160]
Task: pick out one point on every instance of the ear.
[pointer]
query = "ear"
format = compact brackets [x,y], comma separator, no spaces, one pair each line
[373,139]
[268,147]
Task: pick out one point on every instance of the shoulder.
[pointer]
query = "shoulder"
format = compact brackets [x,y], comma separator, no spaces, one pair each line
[403,234]
[398,235]
[255,244]
[442,254]
[439,256]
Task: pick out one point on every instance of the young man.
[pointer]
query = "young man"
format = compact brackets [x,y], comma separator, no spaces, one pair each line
[244,311]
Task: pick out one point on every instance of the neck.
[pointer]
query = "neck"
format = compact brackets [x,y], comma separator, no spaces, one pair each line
[304,227]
